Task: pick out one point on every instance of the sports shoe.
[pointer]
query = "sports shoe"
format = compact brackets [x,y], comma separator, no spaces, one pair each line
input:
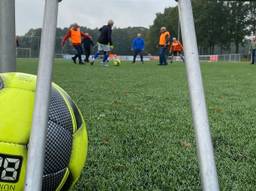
[105,64]
[74,60]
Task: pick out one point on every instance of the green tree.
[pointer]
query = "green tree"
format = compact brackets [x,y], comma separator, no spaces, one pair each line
[237,21]
[169,19]
[211,21]
[219,24]
[121,38]
[252,17]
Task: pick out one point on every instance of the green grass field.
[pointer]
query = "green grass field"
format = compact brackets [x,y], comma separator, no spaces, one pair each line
[140,128]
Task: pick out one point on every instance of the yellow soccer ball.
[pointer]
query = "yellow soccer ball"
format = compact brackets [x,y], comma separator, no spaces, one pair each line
[66,144]
[116,62]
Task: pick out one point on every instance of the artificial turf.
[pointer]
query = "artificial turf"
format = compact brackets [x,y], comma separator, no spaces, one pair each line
[140,129]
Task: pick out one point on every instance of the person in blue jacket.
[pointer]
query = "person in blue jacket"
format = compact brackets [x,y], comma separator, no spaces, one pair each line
[138,46]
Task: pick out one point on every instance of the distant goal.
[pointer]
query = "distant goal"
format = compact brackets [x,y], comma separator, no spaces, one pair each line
[23,52]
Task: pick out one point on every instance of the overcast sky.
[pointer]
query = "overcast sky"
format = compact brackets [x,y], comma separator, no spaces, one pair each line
[91,13]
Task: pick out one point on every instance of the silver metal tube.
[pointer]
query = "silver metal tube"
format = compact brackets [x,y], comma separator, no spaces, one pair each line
[7,36]
[36,152]
[199,112]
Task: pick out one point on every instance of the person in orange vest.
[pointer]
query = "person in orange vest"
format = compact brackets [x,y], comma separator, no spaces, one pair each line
[75,36]
[164,43]
[176,49]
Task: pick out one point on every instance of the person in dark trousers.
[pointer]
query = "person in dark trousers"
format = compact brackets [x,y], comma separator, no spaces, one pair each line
[138,46]
[75,36]
[253,50]
[176,49]
[164,43]
[17,41]
[87,44]
[104,43]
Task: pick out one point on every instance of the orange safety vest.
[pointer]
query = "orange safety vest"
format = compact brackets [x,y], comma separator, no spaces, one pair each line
[162,40]
[75,36]
[176,46]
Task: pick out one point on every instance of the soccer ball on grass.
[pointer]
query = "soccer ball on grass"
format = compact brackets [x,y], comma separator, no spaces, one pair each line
[116,62]
[66,144]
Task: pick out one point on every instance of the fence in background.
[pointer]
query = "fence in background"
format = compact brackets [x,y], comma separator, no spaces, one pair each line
[221,57]
[203,58]
[26,53]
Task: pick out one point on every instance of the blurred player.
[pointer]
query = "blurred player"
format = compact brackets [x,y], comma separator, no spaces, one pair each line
[87,44]
[253,50]
[75,35]
[176,49]
[104,43]
[164,43]
[138,47]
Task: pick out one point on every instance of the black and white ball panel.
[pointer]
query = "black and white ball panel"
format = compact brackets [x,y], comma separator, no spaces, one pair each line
[58,146]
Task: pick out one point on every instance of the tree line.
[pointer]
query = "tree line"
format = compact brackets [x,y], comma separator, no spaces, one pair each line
[221,26]
[122,38]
